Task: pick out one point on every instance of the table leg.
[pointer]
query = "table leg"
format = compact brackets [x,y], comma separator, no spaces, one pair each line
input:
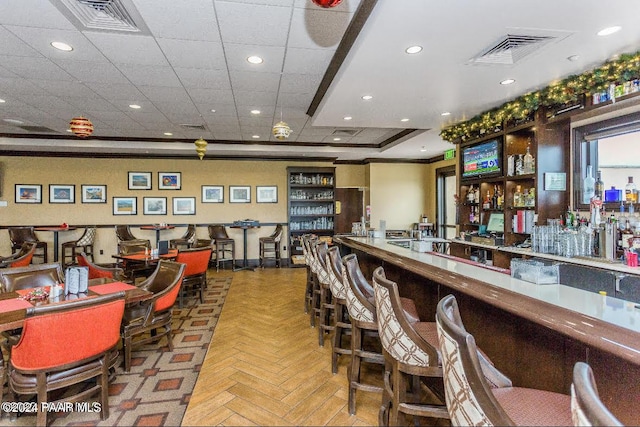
[157,237]
[55,246]
[244,253]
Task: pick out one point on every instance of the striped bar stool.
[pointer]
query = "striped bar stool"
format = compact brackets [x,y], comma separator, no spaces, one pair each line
[341,322]
[324,297]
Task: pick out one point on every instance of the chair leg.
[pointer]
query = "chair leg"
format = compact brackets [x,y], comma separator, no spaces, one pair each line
[104,387]
[353,373]
[126,346]
[41,416]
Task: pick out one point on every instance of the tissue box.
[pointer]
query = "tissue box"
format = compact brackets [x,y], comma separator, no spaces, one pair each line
[535,271]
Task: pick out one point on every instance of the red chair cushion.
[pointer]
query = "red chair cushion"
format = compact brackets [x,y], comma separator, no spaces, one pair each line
[94,273]
[197,261]
[167,300]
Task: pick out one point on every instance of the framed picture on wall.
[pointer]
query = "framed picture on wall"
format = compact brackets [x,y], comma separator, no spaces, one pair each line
[239,194]
[125,206]
[94,193]
[59,193]
[184,205]
[267,194]
[155,205]
[212,194]
[139,180]
[28,193]
[169,180]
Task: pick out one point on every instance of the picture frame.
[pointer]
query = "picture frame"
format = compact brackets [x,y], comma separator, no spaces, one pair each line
[169,180]
[154,205]
[62,193]
[93,193]
[239,194]
[212,194]
[125,206]
[184,205]
[267,194]
[140,181]
[28,193]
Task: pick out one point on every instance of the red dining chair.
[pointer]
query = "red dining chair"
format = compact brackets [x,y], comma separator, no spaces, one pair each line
[98,271]
[150,315]
[63,345]
[195,272]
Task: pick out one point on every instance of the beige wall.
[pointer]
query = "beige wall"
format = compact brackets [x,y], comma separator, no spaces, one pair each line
[430,186]
[113,173]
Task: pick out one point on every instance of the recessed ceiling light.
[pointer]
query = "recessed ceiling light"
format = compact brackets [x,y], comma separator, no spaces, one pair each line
[69,130]
[255,59]
[609,30]
[413,49]
[337,139]
[2,101]
[168,133]
[404,120]
[62,46]
[348,118]
[446,113]
[213,111]
[134,106]
[255,136]
[423,149]
[255,111]
[15,121]
[367,97]
[507,81]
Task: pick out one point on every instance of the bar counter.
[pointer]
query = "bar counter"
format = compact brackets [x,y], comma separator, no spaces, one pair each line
[533,333]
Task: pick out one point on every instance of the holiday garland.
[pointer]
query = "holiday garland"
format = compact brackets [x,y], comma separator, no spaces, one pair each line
[567,91]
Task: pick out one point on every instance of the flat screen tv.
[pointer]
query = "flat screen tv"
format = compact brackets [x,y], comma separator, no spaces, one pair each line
[481,159]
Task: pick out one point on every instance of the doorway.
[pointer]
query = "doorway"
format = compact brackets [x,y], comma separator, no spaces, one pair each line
[349,208]
[445,196]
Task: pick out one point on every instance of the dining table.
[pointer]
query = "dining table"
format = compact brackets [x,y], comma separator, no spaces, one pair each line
[14,305]
[55,230]
[143,261]
[158,228]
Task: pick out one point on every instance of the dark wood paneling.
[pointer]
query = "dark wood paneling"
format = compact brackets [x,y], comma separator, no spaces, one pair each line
[351,208]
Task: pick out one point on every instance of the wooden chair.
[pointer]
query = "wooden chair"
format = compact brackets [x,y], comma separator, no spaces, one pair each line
[306,240]
[150,315]
[21,258]
[135,269]
[32,276]
[223,244]
[63,345]
[411,360]
[472,399]
[85,242]
[187,240]
[586,407]
[20,235]
[98,271]
[195,273]
[269,247]
[341,322]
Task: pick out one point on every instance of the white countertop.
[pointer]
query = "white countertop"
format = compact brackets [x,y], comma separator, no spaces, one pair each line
[606,308]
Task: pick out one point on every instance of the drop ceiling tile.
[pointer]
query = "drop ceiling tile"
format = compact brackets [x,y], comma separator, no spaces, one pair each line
[21,12]
[247,23]
[252,81]
[200,79]
[237,54]
[266,2]
[299,101]
[46,102]
[256,122]
[34,68]
[159,94]
[129,49]
[90,103]
[193,53]
[265,110]
[167,21]
[12,45]
[85,71]
[40,39]
[145,74]
[117,92]
[223,112]
[255,98]
[228,136]
[317,28]
[301,83]
[4,73]
[301,61]
[64,88]
[18,86]
[211,97]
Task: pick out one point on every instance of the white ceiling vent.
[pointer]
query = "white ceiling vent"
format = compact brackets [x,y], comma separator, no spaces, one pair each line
[346,132]
[103,15]
[512,48]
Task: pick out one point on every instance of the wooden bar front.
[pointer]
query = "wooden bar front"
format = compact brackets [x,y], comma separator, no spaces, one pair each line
[534,342]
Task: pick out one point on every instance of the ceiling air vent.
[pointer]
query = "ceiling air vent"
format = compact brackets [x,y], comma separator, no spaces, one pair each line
[37,129]
[511,48]
[104,15]
[346,132]
[193,127]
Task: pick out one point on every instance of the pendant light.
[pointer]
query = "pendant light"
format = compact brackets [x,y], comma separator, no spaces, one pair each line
[201,147]
[281,130]
[81,126]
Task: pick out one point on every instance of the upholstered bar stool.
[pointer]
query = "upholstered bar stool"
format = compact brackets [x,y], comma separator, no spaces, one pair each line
[187,240]
[269,247]
[314,303]
[341,322]
[411,360]
[20,235]
[306,240]
[325,305]
[84,244]
[472,399]
[223,244]
[586,407]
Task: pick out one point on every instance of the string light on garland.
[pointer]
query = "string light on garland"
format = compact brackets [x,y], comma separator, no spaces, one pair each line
[81,126]
[327,3]
[570,90]
[201,147]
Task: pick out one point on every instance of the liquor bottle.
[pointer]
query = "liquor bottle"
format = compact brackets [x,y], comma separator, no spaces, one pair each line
[527,166]
[494,198]
[471,195]
[588,187]
[500,198]
[477,194]
[487,201]
[519,165]
[599,187]
[631,192]
[517,196]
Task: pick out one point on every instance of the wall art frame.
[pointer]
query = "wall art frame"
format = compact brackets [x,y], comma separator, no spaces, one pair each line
[213,194]
[125,206]
[154,205]
[239,194]
[184,205]
[28,193]
[93,193]
[62,193]
[169,180]
[140,181]
[266,194]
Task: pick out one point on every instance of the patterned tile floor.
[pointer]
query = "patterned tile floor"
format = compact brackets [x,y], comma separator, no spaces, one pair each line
[157,390]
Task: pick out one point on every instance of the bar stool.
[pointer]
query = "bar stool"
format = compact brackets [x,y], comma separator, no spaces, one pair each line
[314,297]
[411,359]
[85,243]
[322,294]
[187,240]
[472,399]
[222,243]
[270,246]
[341,322]
[586,407]
[20,235]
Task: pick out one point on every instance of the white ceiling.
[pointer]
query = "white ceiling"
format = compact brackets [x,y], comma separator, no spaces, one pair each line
[190,58]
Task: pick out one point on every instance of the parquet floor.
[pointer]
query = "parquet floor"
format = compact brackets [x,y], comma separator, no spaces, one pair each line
[264,365]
